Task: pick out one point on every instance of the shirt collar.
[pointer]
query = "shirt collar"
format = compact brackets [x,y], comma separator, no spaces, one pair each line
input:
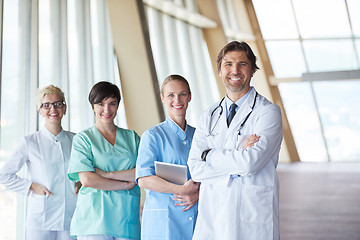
[177,129]
[51,136]
[239,102]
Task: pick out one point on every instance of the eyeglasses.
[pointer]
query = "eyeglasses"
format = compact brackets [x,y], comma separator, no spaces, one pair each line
[47,105]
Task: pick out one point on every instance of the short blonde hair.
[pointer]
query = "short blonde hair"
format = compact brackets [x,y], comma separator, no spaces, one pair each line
[51,89]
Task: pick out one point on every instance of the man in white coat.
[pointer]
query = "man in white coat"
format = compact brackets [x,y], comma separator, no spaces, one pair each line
[234,155]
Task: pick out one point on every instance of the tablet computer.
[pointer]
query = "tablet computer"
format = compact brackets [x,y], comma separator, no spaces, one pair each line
[173,173]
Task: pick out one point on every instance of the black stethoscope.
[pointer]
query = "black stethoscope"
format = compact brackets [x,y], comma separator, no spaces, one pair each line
[221,112]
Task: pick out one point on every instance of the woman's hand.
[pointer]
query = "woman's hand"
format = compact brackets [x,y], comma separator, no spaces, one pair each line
[250,141]
[77,187]
[121,175]
[189,187]
[188,200]
[101,173]
[131,185]
[40,189]
[94,180]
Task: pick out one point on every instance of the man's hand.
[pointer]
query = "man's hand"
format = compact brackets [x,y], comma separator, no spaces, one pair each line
[250,141]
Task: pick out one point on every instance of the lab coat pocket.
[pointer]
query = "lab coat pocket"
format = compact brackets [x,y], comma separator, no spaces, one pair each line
[154,224]
[256,204]
[36,204]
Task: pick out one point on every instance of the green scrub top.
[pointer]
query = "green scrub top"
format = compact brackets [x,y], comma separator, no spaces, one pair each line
[114,213]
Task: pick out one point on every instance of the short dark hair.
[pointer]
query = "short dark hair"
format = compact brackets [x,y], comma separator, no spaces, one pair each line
[237,46]
[103,90]
[174,77]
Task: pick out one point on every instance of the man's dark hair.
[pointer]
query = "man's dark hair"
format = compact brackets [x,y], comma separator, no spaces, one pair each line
[237,46]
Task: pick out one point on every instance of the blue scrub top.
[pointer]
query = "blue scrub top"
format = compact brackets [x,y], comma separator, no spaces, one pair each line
[114,213]
[161,219]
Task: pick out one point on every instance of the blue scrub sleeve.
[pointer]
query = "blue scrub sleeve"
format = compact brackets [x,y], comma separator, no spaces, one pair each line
[148,154]
[81,157]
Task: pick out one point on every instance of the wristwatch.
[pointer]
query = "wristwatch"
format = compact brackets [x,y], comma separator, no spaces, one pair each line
[204,154]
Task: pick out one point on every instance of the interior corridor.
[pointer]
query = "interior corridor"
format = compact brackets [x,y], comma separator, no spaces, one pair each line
[319,201]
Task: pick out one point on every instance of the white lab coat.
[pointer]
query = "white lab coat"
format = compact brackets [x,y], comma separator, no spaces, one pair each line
[47,157]
[239,192]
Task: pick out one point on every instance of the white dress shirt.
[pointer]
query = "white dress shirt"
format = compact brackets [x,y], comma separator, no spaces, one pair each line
[47,158]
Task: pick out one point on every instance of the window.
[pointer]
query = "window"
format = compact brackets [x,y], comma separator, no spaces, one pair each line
[13,91]
[65,43]
[301,37]
[324,118]
[302,40]
[179,48]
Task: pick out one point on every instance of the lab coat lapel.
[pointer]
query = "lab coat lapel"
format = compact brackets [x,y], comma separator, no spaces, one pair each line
[241,114]
[222,128]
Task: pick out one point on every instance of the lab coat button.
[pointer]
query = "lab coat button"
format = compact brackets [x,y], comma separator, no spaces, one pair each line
[184,142]
[190,218]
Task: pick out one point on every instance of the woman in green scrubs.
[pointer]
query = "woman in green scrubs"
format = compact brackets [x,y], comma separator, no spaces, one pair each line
[106,208]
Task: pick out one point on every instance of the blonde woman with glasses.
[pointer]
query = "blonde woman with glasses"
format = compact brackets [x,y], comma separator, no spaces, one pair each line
[51,196]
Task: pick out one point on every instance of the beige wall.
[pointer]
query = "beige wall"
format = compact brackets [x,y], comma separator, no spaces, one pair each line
[138,79]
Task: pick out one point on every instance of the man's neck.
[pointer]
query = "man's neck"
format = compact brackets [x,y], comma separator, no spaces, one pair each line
[234,96]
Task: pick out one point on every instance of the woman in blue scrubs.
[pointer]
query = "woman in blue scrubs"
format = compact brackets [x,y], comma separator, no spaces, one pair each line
[170,210]
[107,209]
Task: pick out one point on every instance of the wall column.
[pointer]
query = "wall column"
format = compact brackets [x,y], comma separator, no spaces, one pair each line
[139,84]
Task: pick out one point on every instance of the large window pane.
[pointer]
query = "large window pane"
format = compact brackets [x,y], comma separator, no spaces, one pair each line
[49,43]
[14,75]
[100,42]
[357,44]
[354,6]
[171,45]
[104,64]
[178,48]
[286,58]
[326,32]
[79,66]
[13,105]
[280,15]
[91,59]
[330,55]
[25,69]
[340,113]
[322,18]
[303,120]
[157,39]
